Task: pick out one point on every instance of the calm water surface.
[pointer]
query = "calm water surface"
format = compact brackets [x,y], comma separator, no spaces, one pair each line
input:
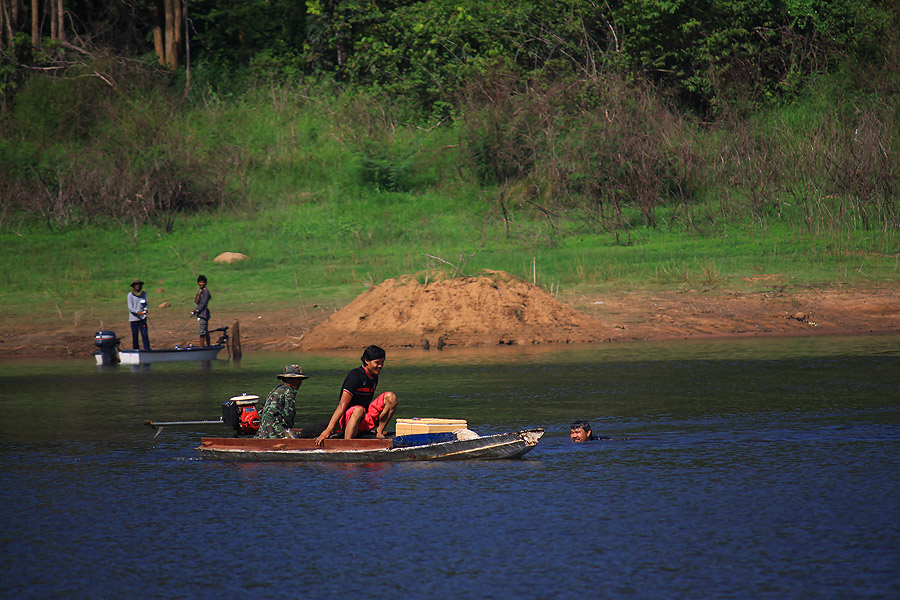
[737,469]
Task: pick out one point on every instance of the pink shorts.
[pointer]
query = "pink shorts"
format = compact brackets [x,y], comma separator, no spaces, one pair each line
[370,419]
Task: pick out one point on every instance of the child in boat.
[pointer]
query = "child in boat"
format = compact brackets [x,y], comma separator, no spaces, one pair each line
[358,411]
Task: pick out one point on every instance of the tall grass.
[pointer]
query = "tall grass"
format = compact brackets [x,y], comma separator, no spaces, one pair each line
[331,192]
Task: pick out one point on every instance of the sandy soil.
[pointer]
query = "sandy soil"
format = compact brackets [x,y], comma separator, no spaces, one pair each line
[491,309]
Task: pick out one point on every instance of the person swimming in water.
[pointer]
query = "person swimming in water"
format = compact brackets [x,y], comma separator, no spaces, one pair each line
[581,432]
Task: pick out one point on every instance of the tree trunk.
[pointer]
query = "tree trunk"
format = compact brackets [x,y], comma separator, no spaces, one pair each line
[187,52]
[4,23]
[158,33]
[53,19]
[179,21]
[60,27]
[171,48]
[168,18]
[35,29]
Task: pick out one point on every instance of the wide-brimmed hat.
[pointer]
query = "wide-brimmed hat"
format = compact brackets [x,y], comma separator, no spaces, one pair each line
[292,371]
[136,282]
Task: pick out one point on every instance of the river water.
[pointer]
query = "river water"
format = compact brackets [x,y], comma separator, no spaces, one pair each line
[736,469]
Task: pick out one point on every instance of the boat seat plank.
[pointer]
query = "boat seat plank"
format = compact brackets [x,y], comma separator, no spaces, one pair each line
[421,439]
[253,444]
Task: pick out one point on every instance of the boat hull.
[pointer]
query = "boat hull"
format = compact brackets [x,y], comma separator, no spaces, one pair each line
[140,357]
[492,447]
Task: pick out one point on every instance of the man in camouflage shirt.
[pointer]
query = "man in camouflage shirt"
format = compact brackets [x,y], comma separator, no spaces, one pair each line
[280,408]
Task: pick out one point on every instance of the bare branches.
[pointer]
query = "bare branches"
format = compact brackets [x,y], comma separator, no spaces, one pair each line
[460,263]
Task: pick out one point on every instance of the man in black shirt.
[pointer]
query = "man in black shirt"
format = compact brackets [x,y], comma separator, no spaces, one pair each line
[202,311]
[358,410]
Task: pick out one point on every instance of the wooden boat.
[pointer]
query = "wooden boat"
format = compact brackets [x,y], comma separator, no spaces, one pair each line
[140,357]
[446,446]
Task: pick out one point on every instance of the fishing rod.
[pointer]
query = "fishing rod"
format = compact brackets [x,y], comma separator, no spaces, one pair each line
[183,323]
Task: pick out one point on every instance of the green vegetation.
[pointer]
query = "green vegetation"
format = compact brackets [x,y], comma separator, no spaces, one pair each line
[670,163]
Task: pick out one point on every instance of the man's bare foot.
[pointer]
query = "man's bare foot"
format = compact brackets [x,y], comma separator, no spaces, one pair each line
[379,435]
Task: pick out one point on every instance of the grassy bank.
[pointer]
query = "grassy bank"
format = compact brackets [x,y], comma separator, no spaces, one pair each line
[329,193]
[93,267]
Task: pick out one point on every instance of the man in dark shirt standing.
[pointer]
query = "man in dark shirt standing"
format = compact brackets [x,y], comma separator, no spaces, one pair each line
[358,410]
[202,311]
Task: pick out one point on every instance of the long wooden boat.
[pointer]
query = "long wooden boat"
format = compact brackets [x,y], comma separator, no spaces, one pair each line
[141,357]
[399,449]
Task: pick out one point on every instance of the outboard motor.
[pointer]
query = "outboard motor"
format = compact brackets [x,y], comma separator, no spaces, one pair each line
[108,344]
[241,415]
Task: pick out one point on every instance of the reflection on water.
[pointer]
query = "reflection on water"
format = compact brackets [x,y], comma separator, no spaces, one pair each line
[737,469]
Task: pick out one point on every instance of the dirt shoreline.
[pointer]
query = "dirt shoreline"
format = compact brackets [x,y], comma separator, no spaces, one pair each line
[620,316]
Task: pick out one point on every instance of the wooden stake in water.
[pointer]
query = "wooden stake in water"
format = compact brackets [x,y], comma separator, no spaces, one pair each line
[236,341]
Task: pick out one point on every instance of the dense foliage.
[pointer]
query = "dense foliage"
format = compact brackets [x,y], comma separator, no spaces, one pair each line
[601,113]
[708,52]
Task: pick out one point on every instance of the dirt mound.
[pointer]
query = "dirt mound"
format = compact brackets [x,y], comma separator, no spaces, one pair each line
[492,308]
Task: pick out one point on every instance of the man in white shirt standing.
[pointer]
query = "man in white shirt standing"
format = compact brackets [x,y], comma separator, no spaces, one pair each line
[137,314]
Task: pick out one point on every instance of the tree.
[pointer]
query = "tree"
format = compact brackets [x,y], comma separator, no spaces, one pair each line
[35,25]
[57,14]
[8,18]
[168,28]
[11,24]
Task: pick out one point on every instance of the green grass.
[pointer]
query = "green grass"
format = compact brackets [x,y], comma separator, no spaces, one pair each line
[331,195]
[336,251]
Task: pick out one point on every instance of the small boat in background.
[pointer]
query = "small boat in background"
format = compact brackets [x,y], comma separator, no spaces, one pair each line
[109,354]
[142,357]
